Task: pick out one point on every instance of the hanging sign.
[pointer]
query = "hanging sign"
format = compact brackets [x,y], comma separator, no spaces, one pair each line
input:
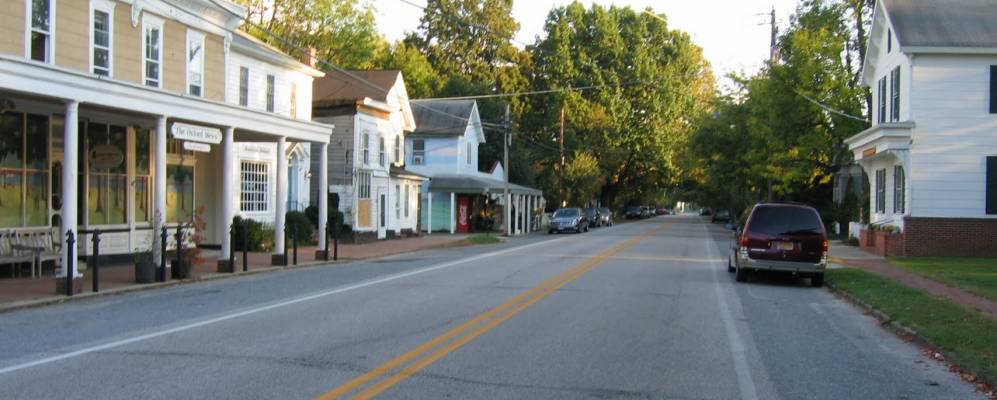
[104,156]
[195,146]
[196,133]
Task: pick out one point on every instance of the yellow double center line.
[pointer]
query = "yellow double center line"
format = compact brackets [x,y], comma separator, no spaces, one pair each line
[453,339]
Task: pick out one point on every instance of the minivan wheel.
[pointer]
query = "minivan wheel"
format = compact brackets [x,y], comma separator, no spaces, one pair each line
[817,280]
[741,275]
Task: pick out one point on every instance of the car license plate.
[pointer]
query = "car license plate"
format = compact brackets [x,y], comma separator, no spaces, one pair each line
[783,245]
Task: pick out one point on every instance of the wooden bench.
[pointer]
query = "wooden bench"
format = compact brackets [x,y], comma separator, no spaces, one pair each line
[12,254]
[41,245]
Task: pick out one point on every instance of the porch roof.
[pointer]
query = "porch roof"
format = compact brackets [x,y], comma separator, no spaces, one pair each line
[881,138]
[476,184]
[46,80]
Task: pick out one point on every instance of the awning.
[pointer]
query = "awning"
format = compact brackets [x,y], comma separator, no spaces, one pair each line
[476,185]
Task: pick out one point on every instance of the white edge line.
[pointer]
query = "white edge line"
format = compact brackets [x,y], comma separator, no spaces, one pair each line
[259,309]
[745,382]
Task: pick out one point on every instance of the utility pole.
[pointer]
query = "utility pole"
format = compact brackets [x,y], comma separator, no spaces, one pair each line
[505,171]
[773,57]
[560,182]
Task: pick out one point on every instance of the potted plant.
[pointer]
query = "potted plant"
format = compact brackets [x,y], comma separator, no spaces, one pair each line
[191,254]
[145,269]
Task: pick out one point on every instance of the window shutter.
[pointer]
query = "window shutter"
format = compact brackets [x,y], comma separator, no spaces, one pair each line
[993,89]
[992,185]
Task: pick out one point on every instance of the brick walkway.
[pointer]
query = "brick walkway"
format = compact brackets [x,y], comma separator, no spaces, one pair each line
[856,258]
[18,292]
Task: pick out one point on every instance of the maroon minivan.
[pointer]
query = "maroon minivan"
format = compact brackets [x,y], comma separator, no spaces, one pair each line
[786,237]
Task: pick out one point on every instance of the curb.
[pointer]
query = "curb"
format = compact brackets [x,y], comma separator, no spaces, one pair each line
[38,303]
[982,385]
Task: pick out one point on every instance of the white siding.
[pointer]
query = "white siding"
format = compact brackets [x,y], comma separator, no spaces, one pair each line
[284,78]
[886,61]
[954,134]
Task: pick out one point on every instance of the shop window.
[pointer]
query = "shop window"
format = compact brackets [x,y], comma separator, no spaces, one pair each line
[23,170]
[255,182]
[179,193]
[142,181]
[107,180]
[41,31]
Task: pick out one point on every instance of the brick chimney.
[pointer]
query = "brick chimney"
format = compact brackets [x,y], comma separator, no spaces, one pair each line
[309,57]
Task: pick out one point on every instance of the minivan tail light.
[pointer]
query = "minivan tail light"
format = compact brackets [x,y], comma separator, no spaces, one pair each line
[744,240]
[824,245]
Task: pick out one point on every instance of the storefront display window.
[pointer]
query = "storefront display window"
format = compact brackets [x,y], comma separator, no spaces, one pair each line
[179,193]
[142,179]
[107,181]
[23,170]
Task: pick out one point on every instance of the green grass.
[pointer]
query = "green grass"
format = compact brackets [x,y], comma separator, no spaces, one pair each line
[483,239]
[968,336]
[974,275]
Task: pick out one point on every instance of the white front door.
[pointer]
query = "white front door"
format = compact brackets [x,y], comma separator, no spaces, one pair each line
[382,213]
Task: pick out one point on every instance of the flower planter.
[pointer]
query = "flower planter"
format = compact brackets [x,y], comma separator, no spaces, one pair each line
[145,272]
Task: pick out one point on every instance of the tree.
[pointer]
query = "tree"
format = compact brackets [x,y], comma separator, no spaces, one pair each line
[421,78]
[648,85]
[582,178]
[343,32]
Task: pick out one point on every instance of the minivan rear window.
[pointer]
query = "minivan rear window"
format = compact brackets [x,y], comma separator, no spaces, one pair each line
[785,221]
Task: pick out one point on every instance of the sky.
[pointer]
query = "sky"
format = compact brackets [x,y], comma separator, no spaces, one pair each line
[734,34]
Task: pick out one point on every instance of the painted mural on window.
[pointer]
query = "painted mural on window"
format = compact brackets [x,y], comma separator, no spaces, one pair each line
[23,170]
[107,180]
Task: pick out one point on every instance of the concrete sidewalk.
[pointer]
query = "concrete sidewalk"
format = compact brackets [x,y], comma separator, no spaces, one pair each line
[16,293]
[854,257]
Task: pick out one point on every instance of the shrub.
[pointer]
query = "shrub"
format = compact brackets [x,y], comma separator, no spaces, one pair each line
[254,230]
[312,213]
[299,227]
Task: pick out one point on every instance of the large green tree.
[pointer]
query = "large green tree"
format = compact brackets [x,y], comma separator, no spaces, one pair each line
[648,84]
[343,32]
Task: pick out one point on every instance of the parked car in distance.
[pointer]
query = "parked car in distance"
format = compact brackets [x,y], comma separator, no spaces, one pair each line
[592,215]
[634,212]
[705,211]
[568,219]
[720,216]
[782,237]
[661,211]
[646,212]
[607,216]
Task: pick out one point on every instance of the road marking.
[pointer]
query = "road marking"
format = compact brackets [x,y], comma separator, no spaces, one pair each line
[745,382]
[480,325]
[637,258]
[259,309]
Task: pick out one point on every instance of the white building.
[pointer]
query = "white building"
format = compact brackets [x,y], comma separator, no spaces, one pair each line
[931,153]
[103,101]
[444,147]
[367,178]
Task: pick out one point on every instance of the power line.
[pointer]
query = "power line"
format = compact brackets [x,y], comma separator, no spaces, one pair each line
[534,92]
[454,19]
[829,109]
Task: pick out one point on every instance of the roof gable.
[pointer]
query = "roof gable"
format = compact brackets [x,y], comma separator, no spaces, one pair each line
[446,118]
[382,89]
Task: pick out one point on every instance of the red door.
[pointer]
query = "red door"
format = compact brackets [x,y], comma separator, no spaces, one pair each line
[463,211]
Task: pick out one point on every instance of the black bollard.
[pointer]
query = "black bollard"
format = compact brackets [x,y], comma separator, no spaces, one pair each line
[231,248]
[325,242]
[245,246]
[71,245]
[96,260]
[285,244]
[163,235]
[179,259]
[335,239]
[294,241]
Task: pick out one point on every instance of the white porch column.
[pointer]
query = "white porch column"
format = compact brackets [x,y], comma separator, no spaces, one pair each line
[507,210]
[429,213]
[280,208]
[453,213]
[323,195]
[228,187]
[69,171]
[522,214]
[529,214]
[159,187]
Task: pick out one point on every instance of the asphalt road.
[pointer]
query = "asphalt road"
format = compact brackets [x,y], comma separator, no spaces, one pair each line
[640,310]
